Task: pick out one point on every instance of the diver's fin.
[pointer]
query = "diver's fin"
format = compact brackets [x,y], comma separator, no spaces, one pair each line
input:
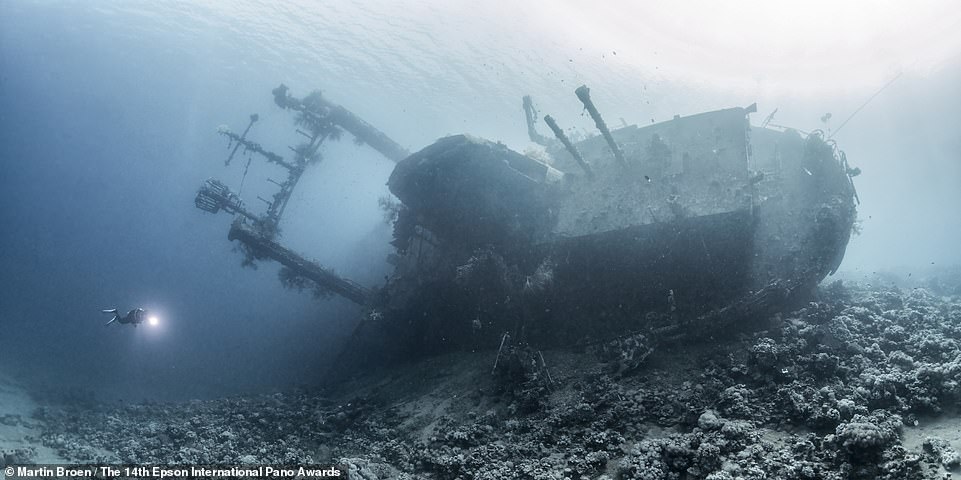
[116,315]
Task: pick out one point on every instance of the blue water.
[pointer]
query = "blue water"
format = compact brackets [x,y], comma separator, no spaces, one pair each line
[108,114]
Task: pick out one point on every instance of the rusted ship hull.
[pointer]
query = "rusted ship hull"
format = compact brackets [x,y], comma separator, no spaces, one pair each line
[695,226]
[507,246]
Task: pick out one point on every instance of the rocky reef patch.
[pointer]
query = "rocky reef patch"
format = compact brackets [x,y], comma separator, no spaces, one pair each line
[829,391]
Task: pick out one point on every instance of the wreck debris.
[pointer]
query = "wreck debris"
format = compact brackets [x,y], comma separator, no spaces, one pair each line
[523,376]
[625,354]
[543,366]
[584,94]
[500,350]
[757,304]
[531,116]
[549,120]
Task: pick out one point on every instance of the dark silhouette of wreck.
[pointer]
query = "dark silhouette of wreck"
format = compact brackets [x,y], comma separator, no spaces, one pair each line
[681,229]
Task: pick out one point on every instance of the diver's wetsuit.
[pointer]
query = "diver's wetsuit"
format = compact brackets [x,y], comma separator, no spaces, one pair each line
[135,316]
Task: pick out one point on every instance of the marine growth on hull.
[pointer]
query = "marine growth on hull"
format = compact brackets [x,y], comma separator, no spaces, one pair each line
[689,227]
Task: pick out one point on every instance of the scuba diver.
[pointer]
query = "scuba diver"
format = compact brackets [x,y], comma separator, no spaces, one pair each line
[134,317]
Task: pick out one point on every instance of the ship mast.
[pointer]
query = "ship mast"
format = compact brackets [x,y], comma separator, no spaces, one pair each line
[320,120]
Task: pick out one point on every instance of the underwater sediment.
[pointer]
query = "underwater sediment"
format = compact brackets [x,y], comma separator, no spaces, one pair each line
[835,389]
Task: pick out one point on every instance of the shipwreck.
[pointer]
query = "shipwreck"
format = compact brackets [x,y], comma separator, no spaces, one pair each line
[689,227]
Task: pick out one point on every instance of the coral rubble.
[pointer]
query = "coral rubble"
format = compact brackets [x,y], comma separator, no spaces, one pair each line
[824,392]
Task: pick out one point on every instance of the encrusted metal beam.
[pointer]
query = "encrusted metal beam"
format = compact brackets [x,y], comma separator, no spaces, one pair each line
[584,94]
[346,119]
[549,120]
[263,247]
